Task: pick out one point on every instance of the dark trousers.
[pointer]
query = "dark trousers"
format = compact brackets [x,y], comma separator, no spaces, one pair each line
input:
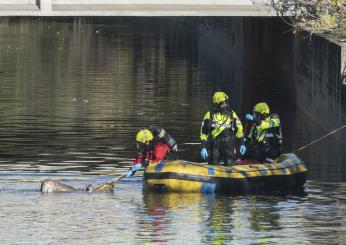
[260,152]
[221,148]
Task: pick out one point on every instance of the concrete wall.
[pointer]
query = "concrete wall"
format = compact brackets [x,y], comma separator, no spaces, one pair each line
[161,2]
[133,8]
[343,80]
[309,68]
[17,1]
[318,78]
[221,51]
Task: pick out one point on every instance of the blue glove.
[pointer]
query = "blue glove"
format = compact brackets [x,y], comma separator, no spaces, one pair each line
[242,149]
[133,170]
[204,153]
[129,173]
[249,117]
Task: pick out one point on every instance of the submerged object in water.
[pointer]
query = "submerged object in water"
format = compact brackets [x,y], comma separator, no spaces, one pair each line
[49,185]
[288,172]
[90,188]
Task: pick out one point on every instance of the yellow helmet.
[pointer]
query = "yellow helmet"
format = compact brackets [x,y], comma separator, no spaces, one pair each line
[144,136]
[219,97]
[262,108]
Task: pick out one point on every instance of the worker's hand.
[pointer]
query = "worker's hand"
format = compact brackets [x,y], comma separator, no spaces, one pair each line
[242,149]
[204,153]
[133,170]
[249,117]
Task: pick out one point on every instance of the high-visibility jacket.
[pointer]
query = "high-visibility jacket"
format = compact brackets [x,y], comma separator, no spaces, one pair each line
[268,130]
[214,123]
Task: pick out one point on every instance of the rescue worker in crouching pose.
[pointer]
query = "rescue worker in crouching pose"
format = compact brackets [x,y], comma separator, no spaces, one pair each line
[220,127]
[153,145]
[264,138]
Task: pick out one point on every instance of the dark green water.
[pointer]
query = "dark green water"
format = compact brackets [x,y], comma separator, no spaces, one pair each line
[75,92]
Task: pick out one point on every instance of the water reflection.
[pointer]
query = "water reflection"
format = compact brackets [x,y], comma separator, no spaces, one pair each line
[88,88]
[215,219]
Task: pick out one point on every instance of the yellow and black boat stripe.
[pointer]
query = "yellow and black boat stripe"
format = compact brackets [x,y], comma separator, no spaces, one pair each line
[188,176]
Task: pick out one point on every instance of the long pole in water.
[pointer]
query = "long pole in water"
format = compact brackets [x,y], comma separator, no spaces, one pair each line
[111,183]
[321,138]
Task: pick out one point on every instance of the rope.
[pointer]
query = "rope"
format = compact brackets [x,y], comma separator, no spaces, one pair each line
[321,138]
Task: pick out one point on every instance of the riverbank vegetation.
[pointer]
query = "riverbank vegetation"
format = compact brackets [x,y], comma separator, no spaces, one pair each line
[315,16]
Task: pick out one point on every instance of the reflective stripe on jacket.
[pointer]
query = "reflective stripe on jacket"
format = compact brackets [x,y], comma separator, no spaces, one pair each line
[264,131]
[220,122]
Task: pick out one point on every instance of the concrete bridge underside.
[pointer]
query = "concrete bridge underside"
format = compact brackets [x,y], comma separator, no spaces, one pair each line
[133,8]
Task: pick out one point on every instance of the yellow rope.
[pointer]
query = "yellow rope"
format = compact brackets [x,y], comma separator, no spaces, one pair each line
[321,138]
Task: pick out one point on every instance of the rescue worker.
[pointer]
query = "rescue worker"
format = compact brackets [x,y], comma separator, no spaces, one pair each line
[153,144]
[264,138]
[220,127]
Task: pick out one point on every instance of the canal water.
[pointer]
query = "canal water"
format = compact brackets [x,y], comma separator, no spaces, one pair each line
[74,92]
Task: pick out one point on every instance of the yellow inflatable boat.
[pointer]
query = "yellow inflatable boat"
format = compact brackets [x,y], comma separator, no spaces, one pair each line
[287,173]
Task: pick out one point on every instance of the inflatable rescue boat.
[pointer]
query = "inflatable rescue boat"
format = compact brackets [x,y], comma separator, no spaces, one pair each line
[288,172]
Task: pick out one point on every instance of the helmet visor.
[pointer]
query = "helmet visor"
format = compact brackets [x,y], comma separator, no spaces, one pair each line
[223,106]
